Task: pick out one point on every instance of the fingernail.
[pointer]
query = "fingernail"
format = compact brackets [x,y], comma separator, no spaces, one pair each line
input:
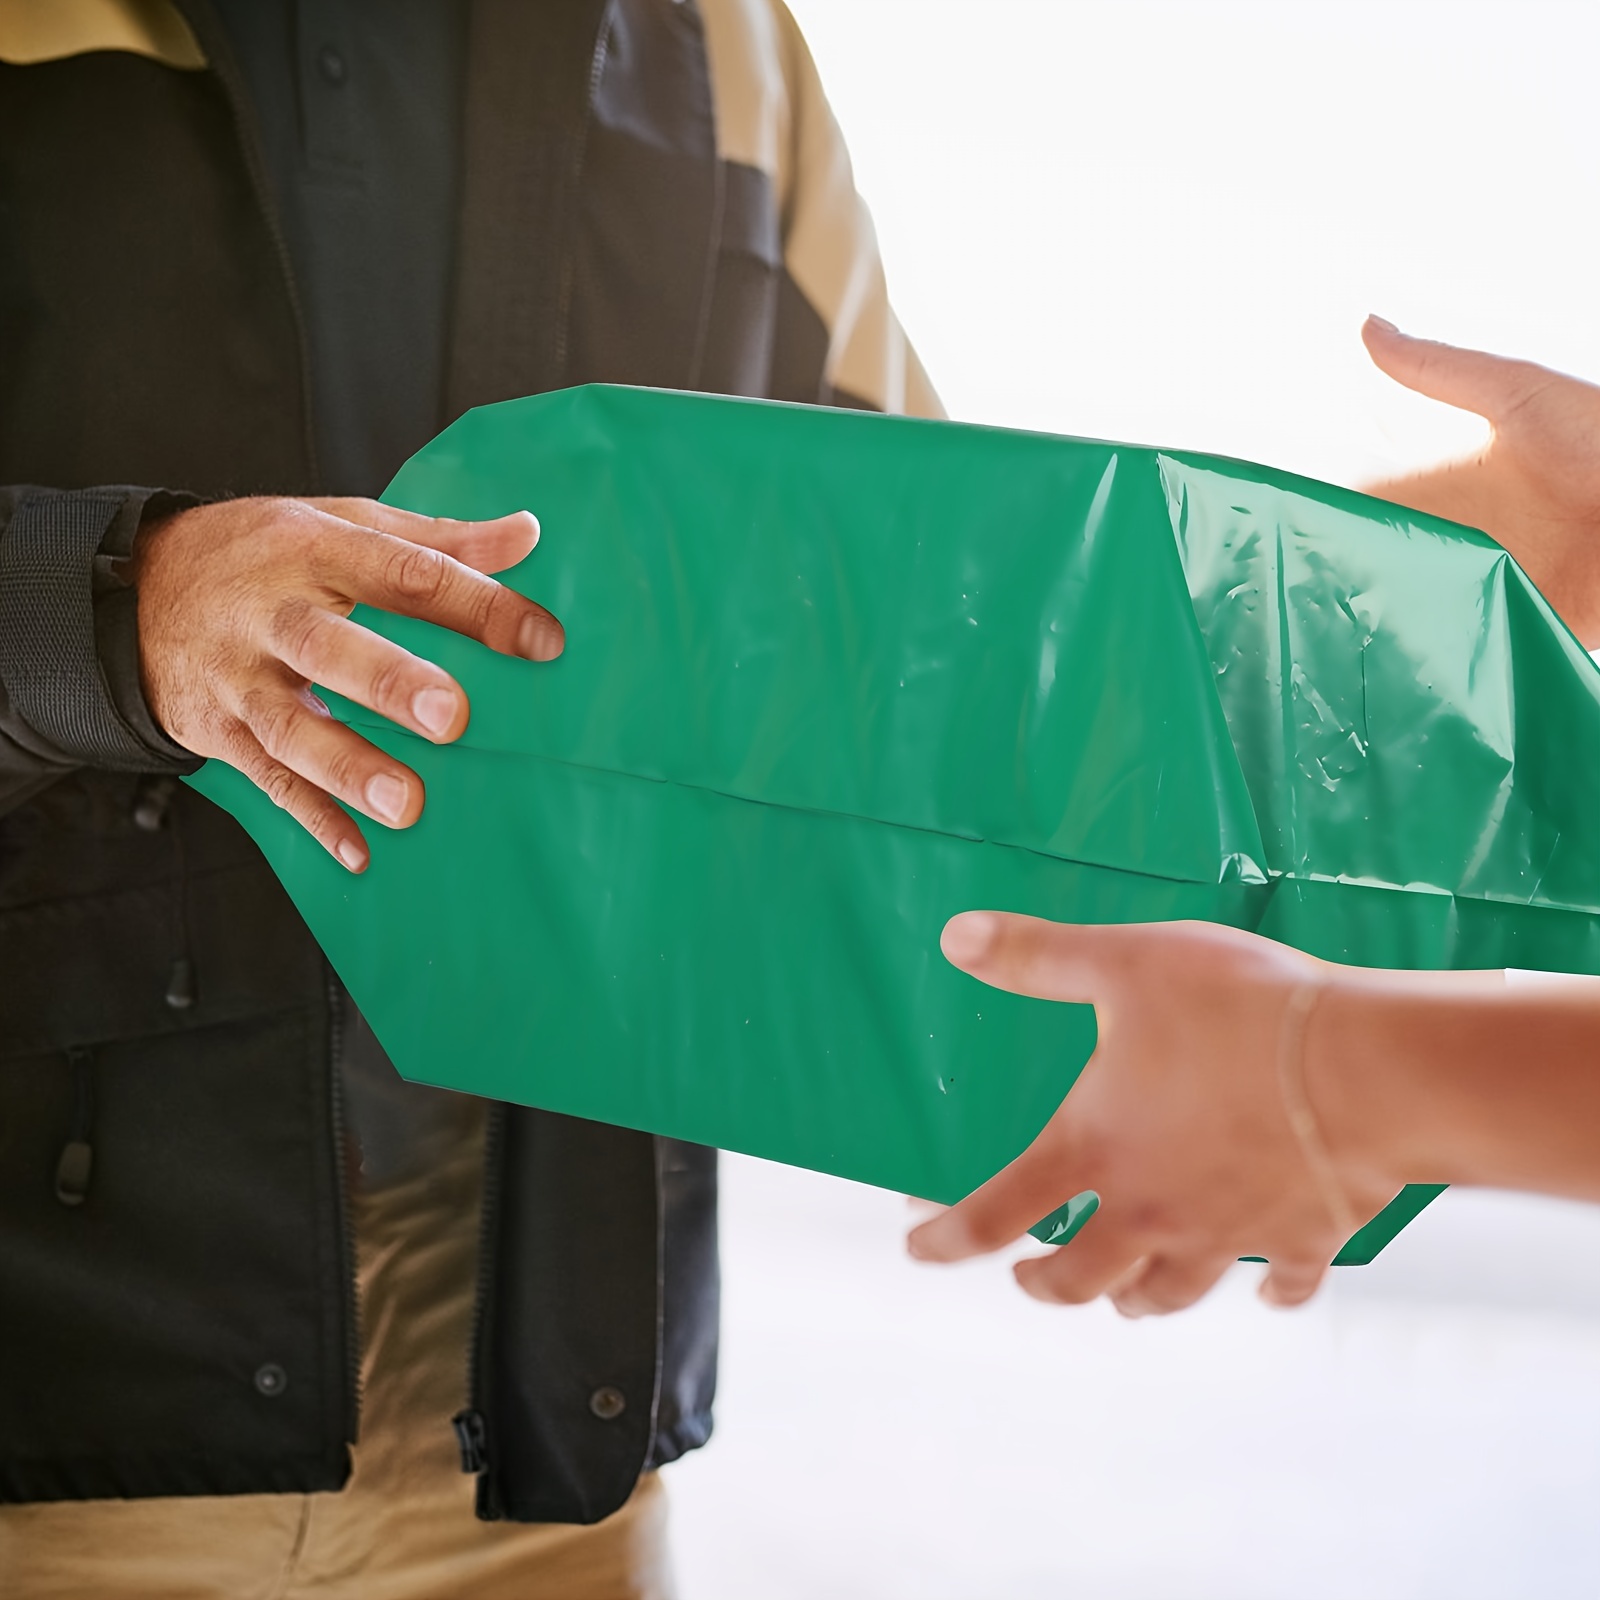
[386,795]
[1382,322]
[967,936]
[435,708]
[934,1241]
[540,639]
[352,855]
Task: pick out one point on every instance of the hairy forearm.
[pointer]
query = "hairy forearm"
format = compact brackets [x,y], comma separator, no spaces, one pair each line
[1461,1078]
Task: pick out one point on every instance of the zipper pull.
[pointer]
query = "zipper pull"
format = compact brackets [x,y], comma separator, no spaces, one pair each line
[76,1163]
[472,1439]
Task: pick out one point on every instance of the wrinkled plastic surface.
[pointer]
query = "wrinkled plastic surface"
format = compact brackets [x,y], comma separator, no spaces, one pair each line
[831,677]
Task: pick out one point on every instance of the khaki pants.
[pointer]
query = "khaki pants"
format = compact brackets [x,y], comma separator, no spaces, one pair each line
[403,1528]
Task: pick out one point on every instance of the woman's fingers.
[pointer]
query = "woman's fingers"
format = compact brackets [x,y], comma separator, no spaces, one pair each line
[1293,1281]
[340,655]
[1046,1174]
[1054,961]
[295,730]
[1490,386]
[1090,963]
[1029,955]
[1168,1283]
[1096,1261]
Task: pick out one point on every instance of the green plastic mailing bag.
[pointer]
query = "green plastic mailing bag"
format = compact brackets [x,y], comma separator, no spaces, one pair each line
[831,677]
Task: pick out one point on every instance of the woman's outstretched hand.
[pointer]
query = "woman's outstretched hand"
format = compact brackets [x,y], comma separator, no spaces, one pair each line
[1535,487]
[1245,1099]
[1178,1121]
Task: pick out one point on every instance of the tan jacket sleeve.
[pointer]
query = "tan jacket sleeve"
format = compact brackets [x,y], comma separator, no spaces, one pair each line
[772,115]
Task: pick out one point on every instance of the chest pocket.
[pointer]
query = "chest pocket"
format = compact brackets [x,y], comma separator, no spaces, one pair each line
[132,908]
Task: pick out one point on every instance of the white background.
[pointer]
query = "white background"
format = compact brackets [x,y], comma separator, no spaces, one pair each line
[1165,222]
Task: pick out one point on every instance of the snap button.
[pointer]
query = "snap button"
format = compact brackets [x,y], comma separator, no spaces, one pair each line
[72,1172]
[180,985]
[150,805]
[331,65]
[608,1403]
[271,1380]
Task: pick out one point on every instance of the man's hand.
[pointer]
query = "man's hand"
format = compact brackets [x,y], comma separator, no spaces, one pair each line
[1178,1121]
[243,605]
[1535,487]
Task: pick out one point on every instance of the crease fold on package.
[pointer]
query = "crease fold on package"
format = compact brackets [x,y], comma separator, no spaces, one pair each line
[832,677]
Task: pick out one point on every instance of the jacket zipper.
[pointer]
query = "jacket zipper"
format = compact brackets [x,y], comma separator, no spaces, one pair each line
[580,146]
[341,1190]
[472,1424]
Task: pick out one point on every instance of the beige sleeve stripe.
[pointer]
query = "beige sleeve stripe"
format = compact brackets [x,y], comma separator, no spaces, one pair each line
[771,114]
[32,31]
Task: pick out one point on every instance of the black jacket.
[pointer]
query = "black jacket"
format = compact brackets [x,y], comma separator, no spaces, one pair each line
[176,1288]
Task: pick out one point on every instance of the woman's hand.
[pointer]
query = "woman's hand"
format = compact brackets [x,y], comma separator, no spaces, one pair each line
[1247,1100]
[1535,487]
[1178,1122]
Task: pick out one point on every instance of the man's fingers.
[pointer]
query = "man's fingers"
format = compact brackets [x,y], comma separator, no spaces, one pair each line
[1028,955]
[298,734]
[1094,1262]
[416,581]
[308,805]
[1168,1283]
[1488,385]
[375,672]
[489,546]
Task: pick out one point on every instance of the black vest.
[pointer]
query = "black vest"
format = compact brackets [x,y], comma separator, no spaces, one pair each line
[149,335]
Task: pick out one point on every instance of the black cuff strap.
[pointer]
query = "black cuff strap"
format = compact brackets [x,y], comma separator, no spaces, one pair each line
[49,662]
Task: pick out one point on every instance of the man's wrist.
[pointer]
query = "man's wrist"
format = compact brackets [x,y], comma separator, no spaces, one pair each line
[66,632]
[118,620]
